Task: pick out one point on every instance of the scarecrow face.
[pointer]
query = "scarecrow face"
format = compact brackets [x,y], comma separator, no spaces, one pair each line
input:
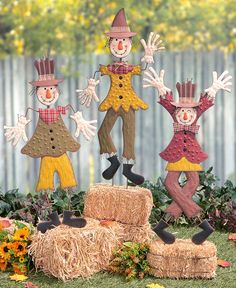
[120,47]
[186,116]
[47,95]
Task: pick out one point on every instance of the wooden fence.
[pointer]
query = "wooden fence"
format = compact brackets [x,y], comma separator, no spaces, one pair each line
[154,126]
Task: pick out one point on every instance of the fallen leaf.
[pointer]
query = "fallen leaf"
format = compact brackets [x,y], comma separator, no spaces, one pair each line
[18,277]
[106,223]
[232,237]
[31,285]
[154,285]
[223,263]
[5,223]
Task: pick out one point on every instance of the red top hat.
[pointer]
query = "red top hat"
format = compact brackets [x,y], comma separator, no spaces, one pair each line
[45,69]
[119,27]
[186,92]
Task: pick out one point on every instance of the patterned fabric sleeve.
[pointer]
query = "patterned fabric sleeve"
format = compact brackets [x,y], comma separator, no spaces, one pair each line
[103,70]
[166,103]
[136,70]
[205,103]
[62,110]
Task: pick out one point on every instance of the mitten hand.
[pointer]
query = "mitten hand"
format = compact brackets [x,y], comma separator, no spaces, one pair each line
[223,82]
[14,134]
[84,126]
[156,81]
[151,47]
[86,95]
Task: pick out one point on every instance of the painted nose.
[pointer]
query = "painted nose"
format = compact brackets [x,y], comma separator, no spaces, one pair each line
[48,94]
[120,45]
[185,116]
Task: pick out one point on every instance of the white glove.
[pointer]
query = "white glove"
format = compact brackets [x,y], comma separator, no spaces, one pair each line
[86,95]
[151,47]
[14,134]
[84,126]
[156,81]
[223,82]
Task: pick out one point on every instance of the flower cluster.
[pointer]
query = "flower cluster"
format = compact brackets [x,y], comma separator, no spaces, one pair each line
[130,260]
[14,240]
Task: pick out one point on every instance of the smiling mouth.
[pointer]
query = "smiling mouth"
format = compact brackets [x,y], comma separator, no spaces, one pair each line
[50,100]
[120,53]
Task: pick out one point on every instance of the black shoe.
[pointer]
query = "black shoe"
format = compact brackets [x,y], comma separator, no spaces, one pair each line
[200,237]
[134,178]
[111,170]
[47,225]
[165,236]
[73,222]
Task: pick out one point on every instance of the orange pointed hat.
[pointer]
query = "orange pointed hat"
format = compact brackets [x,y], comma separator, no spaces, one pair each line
[45,68]
[119,26]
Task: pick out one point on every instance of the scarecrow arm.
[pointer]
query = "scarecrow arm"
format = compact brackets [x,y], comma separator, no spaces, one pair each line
[154,44]
[223,82]
[14,134]
[84,126]
[86,95]
[29,108]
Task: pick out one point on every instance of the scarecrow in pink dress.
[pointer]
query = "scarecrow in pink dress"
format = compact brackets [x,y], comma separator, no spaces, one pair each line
[51,140]
[121,100]
[184,154]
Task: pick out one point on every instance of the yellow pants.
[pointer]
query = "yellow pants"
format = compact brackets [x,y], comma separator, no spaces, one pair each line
[61,165]
[183,165]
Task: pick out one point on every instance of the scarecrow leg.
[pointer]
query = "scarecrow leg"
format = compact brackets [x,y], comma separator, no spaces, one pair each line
[190,208]
[189,190]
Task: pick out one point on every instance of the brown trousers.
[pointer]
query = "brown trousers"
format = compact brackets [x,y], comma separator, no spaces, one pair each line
[128,129]
[182,196]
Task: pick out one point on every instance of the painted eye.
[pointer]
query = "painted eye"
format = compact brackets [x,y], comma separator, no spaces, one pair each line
[45,88]
[51,88]
[116,39]
[123,39]
[182,110]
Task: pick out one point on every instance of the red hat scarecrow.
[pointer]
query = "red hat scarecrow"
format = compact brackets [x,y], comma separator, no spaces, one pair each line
[119,26]
[45,68]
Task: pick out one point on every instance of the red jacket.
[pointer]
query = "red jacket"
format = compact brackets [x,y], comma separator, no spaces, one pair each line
[184,143]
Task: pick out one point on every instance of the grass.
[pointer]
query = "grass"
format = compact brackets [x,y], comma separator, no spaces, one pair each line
[226,277]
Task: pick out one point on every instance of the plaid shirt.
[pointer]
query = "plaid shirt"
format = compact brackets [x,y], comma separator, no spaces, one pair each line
[51,115]
[120,68]
[191,128]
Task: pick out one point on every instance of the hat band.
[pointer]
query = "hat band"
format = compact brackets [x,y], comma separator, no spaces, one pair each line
[46,77]
[120,29]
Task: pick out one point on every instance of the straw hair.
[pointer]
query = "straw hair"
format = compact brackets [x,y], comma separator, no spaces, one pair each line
[183,259]
[129,206]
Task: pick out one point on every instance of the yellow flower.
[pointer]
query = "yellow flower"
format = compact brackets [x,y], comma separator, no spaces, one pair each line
[21,259]
[21,234]
[154,285]
[18,277]
[4,249]
[20,248]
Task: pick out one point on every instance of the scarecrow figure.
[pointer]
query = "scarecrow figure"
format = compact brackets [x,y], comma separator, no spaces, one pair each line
[121,100]
[184,154]
[51,140]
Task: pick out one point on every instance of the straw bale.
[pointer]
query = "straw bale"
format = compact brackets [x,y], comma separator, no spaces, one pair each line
[182,259]
[130,205]
[66,252]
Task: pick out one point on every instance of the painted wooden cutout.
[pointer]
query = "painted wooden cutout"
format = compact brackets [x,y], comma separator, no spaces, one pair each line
[184,153]
[121,100]
[51,140]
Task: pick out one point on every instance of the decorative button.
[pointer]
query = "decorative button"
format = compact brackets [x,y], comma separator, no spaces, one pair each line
[185,132]
[185,140]
[120,77]
[120,85]
[185,149]
[53,147]
[50,130]
[52,139]
[121,97]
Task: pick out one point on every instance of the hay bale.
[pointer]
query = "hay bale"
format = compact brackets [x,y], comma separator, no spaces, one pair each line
[182,259]
[129,206]
[66,253]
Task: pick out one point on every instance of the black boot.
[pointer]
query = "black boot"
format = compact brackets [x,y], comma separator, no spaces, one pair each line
[200,237]
[165,236]
[111,170]
[134,178]
[47,225]
[73,222]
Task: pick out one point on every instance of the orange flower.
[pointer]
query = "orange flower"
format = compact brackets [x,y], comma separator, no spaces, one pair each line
[20,248]
[20,269]
[4,250]
[3,265]
[21,234]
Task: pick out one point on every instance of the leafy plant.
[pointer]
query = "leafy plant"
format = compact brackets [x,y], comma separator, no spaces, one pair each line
[130,260]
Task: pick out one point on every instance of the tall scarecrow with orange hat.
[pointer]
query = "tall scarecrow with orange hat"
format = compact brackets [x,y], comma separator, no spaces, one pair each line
[121,100]
[184,154]
[51,140]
